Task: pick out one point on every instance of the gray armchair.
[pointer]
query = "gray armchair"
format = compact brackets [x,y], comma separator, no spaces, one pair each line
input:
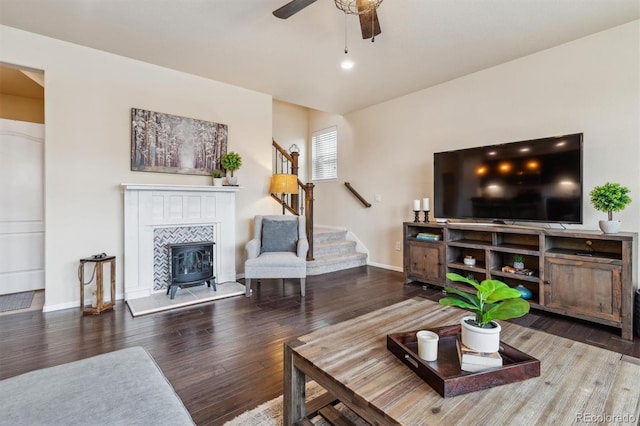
[278,250]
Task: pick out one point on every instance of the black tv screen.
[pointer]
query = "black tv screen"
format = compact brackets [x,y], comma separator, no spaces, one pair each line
[534,180]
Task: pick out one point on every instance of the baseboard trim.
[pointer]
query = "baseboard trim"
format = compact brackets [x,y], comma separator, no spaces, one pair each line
[383,266]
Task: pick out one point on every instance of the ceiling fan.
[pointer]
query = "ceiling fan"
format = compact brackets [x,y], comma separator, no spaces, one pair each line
[365,9]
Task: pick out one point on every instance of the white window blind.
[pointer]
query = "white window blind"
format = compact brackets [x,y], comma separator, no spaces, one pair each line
[324,154]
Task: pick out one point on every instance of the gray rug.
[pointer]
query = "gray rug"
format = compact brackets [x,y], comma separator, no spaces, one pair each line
[125,387]
[15,301]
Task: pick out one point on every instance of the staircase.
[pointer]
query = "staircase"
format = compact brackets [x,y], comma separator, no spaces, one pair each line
[330,249]
[333,252]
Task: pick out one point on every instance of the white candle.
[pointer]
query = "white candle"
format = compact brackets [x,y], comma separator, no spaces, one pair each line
[416,205]
[427,345]
[425,204]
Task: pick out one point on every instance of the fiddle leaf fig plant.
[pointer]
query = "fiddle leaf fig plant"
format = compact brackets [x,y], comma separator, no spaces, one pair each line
[609,198]
[494,300]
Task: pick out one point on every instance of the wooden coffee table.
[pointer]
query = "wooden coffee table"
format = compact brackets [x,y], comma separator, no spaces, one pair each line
[578,382]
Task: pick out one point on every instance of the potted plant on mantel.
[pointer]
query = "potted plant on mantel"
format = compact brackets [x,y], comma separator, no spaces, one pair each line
[217,176]
[494,300]
[231,161]
[609,198]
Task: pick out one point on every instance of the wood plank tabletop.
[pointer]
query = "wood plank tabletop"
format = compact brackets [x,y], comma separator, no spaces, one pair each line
[578,382]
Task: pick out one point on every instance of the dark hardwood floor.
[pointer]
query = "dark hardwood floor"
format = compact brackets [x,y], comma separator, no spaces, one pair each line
[225,357]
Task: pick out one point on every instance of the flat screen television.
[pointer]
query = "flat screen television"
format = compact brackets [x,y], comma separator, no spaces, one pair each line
[534,180]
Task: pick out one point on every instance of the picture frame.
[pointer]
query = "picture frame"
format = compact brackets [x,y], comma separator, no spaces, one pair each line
[167,143]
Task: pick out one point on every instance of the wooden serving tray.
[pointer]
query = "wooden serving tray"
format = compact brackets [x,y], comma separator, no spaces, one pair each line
[445,376]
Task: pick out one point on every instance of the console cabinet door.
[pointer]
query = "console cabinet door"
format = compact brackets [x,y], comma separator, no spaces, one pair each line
[426,262]
[588,289]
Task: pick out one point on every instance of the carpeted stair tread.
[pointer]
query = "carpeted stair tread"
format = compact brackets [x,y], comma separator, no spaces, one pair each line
[339,262]
[328,248]
[324,234]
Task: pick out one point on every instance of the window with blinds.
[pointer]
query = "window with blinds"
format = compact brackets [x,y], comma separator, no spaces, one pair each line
[324,154]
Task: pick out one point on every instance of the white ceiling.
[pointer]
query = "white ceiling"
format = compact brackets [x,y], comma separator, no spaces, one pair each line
[423,42]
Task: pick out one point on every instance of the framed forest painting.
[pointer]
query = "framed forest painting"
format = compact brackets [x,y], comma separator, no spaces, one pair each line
[171,144]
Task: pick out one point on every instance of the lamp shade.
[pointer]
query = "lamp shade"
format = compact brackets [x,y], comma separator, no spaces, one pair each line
[284,184]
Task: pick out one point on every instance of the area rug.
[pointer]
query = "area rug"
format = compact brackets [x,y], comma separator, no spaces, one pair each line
[270,413]
[15,301]
[161,301]
[124,387]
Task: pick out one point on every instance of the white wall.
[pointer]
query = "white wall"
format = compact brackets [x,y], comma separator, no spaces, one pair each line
[88,99]
[291,125]
[590,85]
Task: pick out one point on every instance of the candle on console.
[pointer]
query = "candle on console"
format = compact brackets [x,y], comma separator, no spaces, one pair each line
[425,204]
[416,205]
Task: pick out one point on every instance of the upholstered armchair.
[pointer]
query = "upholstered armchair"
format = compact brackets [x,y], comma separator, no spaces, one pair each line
[278,250]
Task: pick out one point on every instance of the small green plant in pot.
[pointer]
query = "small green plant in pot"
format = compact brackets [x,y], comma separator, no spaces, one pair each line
[494,300]
[609,198]
[231,161]
[518,261]
[217,176]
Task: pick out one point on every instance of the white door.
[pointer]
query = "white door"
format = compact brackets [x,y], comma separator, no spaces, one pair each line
[21,206]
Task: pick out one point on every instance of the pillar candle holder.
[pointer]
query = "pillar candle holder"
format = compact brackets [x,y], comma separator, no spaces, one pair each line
[426,216]
[417,216]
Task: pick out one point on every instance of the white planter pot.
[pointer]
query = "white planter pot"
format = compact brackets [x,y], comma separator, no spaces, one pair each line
[480,339]
[610,226]
[232,180]
[217,181]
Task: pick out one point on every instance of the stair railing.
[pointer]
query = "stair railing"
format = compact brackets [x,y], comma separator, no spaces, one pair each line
[285,162]
[357,195]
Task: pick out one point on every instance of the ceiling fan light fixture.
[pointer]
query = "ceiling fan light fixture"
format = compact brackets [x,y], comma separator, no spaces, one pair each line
[350,7]
[347,63]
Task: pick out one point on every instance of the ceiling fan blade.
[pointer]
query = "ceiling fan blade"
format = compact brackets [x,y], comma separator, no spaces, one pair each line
[369,24]
[291,8]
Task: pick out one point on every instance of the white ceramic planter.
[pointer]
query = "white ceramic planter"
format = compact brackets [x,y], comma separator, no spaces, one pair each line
[217,181]
[610,226]
[232,180]
[480,339]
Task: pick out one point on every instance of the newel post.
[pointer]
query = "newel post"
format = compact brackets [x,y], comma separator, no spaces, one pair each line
[308,209]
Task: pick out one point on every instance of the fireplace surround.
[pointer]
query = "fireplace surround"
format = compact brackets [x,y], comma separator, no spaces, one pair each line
[151,207]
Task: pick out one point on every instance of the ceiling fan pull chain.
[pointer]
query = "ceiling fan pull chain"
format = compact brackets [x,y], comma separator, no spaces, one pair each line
[346,50]
[373,26]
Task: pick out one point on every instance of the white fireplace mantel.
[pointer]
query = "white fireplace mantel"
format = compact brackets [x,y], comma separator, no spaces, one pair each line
[150,206]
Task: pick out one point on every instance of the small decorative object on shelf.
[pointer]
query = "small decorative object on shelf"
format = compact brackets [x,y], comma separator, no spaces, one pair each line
[523,271]
[609,198]
[469,261]
[231,161]
[518,261]
[525,293]
[427,236]
[425,208]
[416,210]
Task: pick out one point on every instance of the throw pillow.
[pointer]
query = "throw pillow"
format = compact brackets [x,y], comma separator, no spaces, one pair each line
[279,235]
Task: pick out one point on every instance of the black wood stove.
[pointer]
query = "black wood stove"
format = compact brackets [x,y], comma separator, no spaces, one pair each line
[191,265]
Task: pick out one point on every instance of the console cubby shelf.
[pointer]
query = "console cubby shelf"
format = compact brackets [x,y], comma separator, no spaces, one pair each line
[583,274]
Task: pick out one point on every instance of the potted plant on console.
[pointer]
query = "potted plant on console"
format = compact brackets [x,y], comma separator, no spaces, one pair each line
[231,161]
[609,198]
[494,300]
